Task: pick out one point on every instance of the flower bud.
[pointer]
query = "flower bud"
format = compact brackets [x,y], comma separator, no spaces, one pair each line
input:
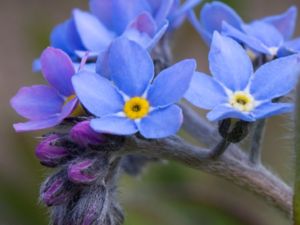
[87,171]
[49,154]
[55,190]
[84,135]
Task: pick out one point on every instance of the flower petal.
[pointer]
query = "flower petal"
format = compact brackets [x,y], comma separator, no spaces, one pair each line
[141,29]
[181,11]
[131,67]
[240,36]
[37,102]
[264,32]
[58,69]
[117,14]
[213,14]
[160,9]
[221,112]
[112,124]
[161,123]
[229,63]
[272,109]
[157,36]
[94,35]
[37,124]
[276,78]
[171,84]
[97,94]
[205,92]
[285,22]
[293,46]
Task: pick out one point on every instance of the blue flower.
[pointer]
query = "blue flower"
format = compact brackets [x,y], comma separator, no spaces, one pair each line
[235,90]
[48,105]
[143,21]
[270,35]
[131,101]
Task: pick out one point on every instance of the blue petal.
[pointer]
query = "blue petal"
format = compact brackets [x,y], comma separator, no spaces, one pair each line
[157,36]
[240,36]
[285,22]
[37,102]
[102,67]
[213,14]
[117,14]
[58,37]
[272,109]
[221,112]
[94,35]
[205,92]
[183,10]
[229,63]
[171,84]
[57,68]
[161,123]
[131,67]
[293,46]
[141,29]
[206,35]
[264,32]
[112,124]
[97,94]
[160,9]
[37,124]
[275,79]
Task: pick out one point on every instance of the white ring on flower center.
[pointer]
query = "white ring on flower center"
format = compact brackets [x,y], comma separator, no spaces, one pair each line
[242,101]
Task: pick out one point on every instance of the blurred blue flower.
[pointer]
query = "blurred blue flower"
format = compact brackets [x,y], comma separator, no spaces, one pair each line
[270,35]
[47,105]
[143,21]
[129,101]
[235,91]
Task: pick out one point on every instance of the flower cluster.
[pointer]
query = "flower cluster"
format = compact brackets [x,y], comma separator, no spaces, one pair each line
[103,86]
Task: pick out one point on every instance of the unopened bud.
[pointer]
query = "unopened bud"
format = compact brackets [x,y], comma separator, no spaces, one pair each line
[49,154]
[87,171]
[54,191]
[84,135]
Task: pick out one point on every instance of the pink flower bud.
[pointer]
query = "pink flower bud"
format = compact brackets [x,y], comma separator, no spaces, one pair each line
[49,154]
[83,172]
[84,135]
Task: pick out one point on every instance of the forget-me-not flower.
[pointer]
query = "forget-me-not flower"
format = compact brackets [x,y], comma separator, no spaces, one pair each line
[130,100]
[143,21]
[48,105]
[235,90]
[269,35]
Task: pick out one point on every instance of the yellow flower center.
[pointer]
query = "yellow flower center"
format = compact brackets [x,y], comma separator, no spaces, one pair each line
[242,101]
[78,110]
[136,108]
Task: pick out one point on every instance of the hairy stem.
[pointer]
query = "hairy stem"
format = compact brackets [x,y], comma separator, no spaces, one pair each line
[257,139]
[296,202]
[256,179]
[219,149]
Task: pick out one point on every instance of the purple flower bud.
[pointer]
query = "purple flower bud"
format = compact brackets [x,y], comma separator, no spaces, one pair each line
[49,154]
[54,191]
[84,135]
[82,172]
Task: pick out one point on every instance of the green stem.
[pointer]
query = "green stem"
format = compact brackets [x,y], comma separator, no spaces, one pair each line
[296,202]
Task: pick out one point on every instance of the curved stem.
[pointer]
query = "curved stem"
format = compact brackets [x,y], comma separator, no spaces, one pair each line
[257,139]
[256,179]
[219,149]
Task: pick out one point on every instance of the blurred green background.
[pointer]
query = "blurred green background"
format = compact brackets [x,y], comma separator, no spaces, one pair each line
[166,194]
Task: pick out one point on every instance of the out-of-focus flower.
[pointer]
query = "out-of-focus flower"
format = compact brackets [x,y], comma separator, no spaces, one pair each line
[48,105]
[143,21]
[49,154]
[235,91]
[270,35]
[130,102]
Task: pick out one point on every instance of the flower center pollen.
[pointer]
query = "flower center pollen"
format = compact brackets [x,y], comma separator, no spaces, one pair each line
[136,108]
[242,101]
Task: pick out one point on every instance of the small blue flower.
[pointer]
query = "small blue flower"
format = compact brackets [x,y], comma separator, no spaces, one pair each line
[235,90]
[143,21]
[130,100]
[270,35]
